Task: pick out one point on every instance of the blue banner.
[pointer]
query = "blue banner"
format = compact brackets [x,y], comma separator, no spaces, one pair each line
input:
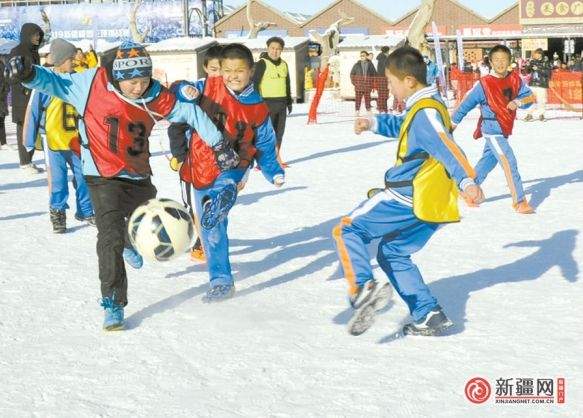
[106,21]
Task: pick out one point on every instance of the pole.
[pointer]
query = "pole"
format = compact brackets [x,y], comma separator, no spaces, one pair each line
[185,28]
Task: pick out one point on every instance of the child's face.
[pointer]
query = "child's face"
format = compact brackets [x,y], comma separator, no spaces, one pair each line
[79,56]
[236,73]
[134,88]
[213,68]
[401,88]
[274,50]
[66,66]
[500,62]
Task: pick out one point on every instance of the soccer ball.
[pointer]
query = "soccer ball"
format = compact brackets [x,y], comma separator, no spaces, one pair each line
[161,229]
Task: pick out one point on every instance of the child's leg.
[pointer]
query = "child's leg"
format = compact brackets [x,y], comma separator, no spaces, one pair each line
[215,241]
[507,161]
[57,180]
[84,205]
[367,99]
[357,99]
[113,200]
[374,218]
[486,164]
[394,257]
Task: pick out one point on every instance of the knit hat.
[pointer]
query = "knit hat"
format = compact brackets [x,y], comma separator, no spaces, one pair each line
[131,61]
[61,51]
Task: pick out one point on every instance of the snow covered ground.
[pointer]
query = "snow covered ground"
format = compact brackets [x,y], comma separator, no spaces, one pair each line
[511,283]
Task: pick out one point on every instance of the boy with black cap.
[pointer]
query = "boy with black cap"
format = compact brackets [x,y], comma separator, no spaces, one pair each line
[56,122]
[119,103]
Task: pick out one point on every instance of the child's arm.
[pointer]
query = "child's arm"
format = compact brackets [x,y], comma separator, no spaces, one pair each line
[265,145]
[71,88]
[432,136]
[473,98]
[525,98]
[32,118]
[193,115]
[384,124]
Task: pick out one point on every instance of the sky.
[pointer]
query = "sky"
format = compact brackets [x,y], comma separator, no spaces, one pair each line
[391,9]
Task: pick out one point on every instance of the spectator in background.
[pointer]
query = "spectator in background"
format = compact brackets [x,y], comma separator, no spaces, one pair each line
[362,77]
[432,71]
[540,73]
[484,67]
[84,61]
[3,106]
[272,81]
[382,84]
[31,37]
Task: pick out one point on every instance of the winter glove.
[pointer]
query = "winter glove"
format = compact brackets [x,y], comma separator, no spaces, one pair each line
[225,155]
[278,180]
[19,69]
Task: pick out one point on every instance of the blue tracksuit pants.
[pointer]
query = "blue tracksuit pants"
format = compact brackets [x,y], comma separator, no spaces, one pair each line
[216,241]
[497,150]
[58,163]
[389,217]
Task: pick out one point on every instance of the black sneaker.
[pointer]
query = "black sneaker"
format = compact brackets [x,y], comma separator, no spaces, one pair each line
[542,118]
[59,221]
[528,118]
[89,219]
[434,323]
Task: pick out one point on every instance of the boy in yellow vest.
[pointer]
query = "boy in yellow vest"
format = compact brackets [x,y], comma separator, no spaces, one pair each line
[420,195]
[56,122]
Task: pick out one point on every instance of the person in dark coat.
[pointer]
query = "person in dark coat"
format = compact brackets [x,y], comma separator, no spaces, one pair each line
[382,82]
[3,106]
[31,37]
[363,76]
[539,68]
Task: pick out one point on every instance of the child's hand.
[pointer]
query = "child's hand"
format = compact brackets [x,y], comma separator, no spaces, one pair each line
[279,180]
[512,105]
[189,92]
[474,194]
[361,125]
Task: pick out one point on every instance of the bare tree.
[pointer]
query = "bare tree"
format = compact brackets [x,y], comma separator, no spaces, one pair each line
[330,39]
[416,32]
[46,26]
[255,28]
[136,35]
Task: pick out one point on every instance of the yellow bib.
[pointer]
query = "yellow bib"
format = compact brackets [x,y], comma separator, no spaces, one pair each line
[435,194]
[60,125]
[273,82]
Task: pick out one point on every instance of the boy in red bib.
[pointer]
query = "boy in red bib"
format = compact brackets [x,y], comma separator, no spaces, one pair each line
[242,116]
[498,94]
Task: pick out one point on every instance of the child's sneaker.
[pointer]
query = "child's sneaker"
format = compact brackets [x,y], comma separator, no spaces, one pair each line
[215,210]
[528,118]
[89,219]
[218,293]
[132,257]
[367,301]
[524,208]
[542,118]
[113,320]
[434,323]
[59,221]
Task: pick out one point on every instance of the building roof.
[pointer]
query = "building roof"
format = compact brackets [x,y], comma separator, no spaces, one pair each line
[244,5]
[182,43]
[336,2]
[259,43]
[369,41]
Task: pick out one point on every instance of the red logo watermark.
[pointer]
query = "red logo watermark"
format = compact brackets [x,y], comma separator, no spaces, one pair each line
[478,390]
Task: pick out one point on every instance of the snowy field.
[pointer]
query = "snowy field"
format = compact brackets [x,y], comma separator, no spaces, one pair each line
[511,283]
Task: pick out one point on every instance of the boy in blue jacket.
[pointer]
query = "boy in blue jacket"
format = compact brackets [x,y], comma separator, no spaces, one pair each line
[240,113]
[118,103]
[420,196]
[498,94]
[56,122]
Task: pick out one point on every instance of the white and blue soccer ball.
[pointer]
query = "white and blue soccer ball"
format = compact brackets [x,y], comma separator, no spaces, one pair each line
[161,229]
